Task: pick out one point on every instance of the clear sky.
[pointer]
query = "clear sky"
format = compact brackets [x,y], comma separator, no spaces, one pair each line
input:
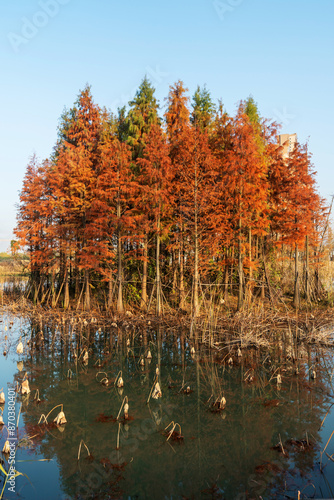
[279,51]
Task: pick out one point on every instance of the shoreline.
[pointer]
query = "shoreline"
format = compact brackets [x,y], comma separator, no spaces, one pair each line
[259,325]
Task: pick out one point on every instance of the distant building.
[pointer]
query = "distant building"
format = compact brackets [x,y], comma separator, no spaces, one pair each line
[288,142]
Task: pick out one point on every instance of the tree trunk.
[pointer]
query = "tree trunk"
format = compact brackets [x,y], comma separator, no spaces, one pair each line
[158,280]
[296,295]
[110,290]
[87,291]
[66,290]
[307,276]
[143,302]
[240,271]
[226,277]
[182,296]
[120,308]
[196,249]
[196,272]
[174,285]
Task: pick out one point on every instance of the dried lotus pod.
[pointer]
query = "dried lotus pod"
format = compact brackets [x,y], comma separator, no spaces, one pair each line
[230,361]
[128,343]
[85,358]
[20,365]
[142,362]
[25,389]
[126,411]
[192,351]
[156,394]
[222,403]
[2,398]
[279,379]
[19,348]
[60,418]
[1,421]
[157,371]
[239,353]
[6,448]
[149,355]
[120,382]
[313,375]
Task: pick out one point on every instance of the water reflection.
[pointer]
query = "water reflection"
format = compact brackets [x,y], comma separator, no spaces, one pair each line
[264,443]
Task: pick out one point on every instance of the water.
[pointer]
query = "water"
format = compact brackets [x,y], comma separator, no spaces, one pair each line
[225,454]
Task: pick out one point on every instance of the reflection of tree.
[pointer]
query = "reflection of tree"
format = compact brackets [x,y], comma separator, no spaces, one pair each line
[232,449]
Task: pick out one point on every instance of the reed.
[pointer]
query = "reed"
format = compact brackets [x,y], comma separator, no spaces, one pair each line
[324,450]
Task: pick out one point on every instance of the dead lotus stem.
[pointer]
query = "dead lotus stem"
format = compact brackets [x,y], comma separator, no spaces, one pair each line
[125,400]
[322,423]
[18,418]
[282,448]
[42,416]
[83,352]
[273,375]
[119,429]
[119,379]
[103,378]
[61,405]
[321,454]
[330,456]
[155,381]
[173,429]
[82,442]
[170,424]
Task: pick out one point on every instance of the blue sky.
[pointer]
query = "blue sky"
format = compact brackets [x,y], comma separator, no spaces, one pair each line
[279,51]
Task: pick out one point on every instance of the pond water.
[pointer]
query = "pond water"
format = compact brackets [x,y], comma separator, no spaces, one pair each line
[267,442]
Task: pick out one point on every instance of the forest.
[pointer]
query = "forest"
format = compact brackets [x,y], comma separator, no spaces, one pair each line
[167,211]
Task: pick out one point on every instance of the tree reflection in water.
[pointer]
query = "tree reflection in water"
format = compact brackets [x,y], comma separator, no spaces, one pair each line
[265,443]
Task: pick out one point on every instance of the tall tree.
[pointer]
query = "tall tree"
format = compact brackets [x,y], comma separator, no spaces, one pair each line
[203,108]
[112,207]
[178,127]
[156,195]
[247,186]
[143,114]
[34,220]
[73,180]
